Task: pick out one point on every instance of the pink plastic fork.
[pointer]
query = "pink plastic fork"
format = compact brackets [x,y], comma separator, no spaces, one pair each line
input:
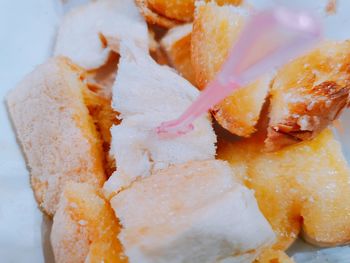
[270,39]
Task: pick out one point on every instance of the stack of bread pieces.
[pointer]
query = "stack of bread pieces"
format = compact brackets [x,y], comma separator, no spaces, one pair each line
[117,192]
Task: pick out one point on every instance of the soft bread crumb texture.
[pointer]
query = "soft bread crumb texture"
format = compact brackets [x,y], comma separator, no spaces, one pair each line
[170,13]
[301,187]
[85,228]
[192,212]
[163,96]
[177,46]
[215,30]
[83,33]
[308,94]
[57,134]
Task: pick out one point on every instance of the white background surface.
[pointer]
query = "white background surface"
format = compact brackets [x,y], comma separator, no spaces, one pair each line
[27,29]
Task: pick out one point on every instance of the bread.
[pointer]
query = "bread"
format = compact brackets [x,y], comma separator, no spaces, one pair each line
[193,212]
[57,134]
[85,228]
[102,79]
[104,117]
[308,94]
[215,30]
[153,17]
[177,46]
[308,187]
[83,33]
[163,96]
[175,10]
[170,13]
[155,50]
[274,256]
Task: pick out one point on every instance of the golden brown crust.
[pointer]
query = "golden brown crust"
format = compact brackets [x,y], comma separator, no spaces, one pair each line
[215,30]
[304,187]
[104,117]
[327,243]
[169,13]
[153,17]
[309,94]
[84,227]
[173,9]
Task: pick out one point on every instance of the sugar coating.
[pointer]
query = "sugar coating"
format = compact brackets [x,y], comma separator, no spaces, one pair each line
[84,29]
[87,231]
[69,239]
[177,46]
[192,212]
[55,130]
[308,94]
[215,30]
[153,17]
[308,187]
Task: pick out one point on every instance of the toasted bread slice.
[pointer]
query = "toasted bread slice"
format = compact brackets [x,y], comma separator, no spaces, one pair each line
[53,125]
[302,186]
[85,228]
[170,13]
[83,31]
[215,30]
[308,94]
[193,212]
[163,96]
[177,45]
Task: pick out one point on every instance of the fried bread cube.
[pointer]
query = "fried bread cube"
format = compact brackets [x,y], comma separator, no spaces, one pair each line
[170,13]
[308,94]
[85,228]
[104,117]
[215,30]
[56,132]
[192,212]
[177,46]
[301,187]
[101,80]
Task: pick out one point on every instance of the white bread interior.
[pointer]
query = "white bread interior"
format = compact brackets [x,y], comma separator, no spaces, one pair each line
[193,212]
[147,94]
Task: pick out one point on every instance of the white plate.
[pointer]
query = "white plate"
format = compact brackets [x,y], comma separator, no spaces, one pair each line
[27,30]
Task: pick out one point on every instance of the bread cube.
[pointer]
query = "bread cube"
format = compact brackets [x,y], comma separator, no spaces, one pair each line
[193,212]
[56,132]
